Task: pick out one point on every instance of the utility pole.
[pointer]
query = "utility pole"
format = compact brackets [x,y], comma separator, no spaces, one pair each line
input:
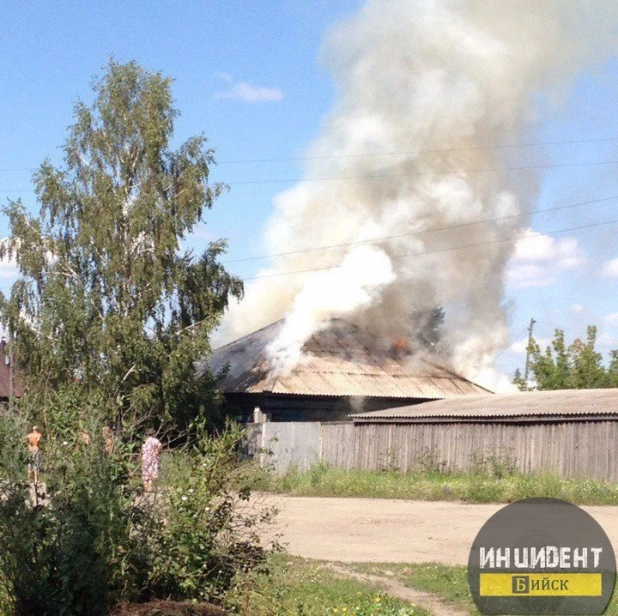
[9,357]
[530,329]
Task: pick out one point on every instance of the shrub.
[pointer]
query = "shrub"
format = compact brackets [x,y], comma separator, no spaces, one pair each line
[64,555]
[429,461]
[207,530]
[96,539]
[498,463]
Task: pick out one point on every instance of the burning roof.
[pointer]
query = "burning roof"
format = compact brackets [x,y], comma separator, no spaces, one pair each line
[340,360]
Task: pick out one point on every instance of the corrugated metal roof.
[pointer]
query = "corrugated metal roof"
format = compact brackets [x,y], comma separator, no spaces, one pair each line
[340,360]
[585,402]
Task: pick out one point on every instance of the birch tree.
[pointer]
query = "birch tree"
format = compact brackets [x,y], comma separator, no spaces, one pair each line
[106,300]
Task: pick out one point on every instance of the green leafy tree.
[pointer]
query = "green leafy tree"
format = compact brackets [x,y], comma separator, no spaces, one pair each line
[588,370]
[613,369]
[578,366]
[518,380]
[107,299]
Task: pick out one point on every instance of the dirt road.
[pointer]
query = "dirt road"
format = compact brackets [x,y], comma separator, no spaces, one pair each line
[377,530]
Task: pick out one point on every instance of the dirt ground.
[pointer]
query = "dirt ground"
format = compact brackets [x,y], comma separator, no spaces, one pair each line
[378,530]
[168,608]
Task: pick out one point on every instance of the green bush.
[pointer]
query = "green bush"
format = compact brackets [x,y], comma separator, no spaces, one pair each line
[95,539]
[62,551]
[13,454]
[207,530]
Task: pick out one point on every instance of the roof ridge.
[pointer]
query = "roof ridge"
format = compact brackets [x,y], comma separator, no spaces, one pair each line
[455,375]
[343,358]
[257,331]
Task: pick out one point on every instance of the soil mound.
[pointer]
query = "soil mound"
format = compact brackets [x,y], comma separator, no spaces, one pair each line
[169,608]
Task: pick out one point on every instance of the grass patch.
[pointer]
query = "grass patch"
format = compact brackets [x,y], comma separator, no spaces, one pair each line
[472,487]
[448,583]
[299,587]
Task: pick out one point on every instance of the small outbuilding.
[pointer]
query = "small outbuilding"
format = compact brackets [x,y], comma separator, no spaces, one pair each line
[571,432]
[342,369]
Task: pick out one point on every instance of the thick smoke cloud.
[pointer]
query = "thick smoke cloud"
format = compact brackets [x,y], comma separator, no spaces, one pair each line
[424,89]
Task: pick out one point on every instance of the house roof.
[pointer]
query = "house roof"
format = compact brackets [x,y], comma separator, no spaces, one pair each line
[340,360]
[527,406]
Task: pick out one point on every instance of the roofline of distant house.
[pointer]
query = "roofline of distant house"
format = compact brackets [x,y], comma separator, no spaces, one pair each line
[279,394]
[494,419]
[255,331]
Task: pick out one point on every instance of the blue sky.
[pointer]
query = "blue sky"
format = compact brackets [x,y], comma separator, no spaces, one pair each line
[248,75]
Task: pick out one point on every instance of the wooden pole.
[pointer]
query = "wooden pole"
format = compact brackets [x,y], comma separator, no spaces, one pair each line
[527,368]
[11,357]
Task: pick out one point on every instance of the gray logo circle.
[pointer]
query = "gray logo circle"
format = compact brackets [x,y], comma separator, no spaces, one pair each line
[541,556]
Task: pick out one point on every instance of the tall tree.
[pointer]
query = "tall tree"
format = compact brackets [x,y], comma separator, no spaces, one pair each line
[578,366]
[106,297]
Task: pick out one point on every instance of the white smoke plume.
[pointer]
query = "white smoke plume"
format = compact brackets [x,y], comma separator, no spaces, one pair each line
[425,89]
[352,287]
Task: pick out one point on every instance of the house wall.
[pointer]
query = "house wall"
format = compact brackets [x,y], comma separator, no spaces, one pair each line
[301,408]
[571,449]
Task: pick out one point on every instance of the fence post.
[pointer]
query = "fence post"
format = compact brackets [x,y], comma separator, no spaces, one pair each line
[262,443]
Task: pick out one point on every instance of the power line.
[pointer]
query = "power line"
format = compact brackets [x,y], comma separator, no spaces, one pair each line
[371,154]
[450,249]
[390,237]
[427,151]
[358,178]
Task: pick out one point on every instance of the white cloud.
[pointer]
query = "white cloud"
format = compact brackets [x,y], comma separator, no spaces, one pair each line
[612,318]
[610,268]
[607,341]
[521,345]
[577,309]
[539,259]
[241,90]
[525,276]
[539,247]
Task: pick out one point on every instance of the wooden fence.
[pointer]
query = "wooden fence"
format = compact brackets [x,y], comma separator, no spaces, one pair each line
[570,449]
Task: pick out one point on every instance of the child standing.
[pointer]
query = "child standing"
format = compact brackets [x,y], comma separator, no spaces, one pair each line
[34,449]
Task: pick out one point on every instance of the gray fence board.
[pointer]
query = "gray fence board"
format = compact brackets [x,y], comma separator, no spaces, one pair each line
[570,449]
[293,445]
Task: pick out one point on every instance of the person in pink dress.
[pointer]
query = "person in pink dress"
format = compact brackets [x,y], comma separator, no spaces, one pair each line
[151,451]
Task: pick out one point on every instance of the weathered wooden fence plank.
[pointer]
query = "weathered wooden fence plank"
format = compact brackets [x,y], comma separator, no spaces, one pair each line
[570,449]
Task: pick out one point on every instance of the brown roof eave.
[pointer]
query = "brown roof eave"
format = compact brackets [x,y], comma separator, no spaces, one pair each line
[497,419]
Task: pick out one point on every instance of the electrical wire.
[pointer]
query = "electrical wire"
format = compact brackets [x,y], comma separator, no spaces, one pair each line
[385,176]
[450,249]
[412,233]
[371,154]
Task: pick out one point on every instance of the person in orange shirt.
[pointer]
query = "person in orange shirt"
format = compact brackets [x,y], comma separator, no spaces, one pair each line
[34,449]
